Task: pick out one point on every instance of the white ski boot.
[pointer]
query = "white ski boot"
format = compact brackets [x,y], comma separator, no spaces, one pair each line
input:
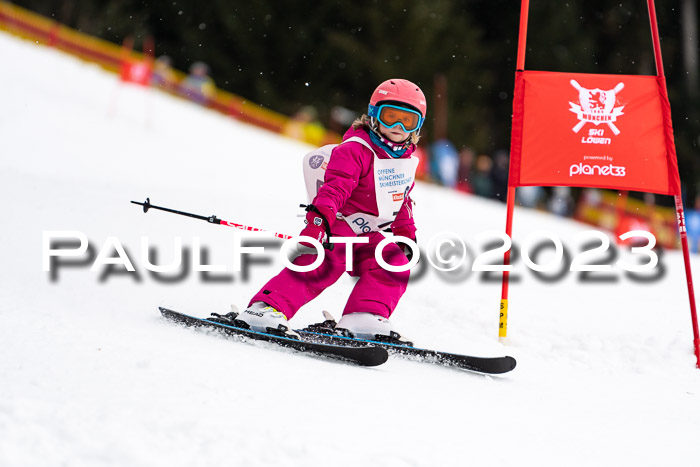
[371,327]
[262,317]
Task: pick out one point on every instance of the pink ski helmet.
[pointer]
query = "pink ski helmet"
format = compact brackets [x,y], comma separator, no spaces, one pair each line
[400,91]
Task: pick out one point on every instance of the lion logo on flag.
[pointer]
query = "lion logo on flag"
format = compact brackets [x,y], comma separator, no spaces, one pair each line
[596,106]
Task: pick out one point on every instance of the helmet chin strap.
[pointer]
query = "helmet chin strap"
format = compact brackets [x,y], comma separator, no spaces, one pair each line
[392,145]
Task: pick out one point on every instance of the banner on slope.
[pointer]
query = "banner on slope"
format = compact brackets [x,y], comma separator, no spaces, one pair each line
[604,131]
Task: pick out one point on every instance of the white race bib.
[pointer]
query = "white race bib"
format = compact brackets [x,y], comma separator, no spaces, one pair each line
[392,181]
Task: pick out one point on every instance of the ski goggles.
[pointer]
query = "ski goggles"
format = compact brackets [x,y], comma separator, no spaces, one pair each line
[391,115]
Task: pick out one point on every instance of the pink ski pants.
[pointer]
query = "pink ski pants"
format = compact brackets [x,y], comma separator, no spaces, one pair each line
[377,291]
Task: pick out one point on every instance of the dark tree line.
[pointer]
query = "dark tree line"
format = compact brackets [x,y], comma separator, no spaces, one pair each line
[286,54]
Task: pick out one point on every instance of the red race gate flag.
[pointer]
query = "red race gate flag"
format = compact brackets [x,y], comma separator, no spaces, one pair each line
[137,70]
[604,131]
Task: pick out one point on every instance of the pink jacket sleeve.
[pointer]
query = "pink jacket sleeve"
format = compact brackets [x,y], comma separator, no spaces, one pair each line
[403,224]
[345,167]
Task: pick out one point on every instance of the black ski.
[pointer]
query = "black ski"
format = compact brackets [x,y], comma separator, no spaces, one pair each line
[361,355]
[489,365]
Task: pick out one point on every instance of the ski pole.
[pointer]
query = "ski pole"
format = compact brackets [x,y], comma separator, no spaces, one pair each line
[211,219]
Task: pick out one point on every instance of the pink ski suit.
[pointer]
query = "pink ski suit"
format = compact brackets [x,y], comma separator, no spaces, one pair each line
[349,188]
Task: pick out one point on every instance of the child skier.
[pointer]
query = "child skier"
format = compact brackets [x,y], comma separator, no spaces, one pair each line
[366,188]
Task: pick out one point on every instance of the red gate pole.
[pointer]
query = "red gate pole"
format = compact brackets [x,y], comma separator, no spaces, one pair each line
[510,197]
[679,202]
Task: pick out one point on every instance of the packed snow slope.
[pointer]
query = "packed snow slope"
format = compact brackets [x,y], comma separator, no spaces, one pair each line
[91,375]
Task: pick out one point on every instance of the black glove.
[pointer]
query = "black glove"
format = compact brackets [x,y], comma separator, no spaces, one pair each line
[406,249]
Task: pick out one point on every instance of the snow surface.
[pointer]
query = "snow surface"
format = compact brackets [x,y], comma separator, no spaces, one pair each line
[91,375]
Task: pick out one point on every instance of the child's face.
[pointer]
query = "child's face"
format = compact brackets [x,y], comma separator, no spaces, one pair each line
[395,135]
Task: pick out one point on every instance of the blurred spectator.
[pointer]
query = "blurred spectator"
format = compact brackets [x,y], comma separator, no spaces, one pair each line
[198,86]
[466,159]
[163,75]
[481,178]
[341,118]
[692,226]
[445,162]
[304,125]
[561,203]
[530,196]
[591,196]
[499,175]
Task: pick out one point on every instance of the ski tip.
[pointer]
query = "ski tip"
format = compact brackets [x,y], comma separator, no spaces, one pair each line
[492,366]
[509,364]
[376,357]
